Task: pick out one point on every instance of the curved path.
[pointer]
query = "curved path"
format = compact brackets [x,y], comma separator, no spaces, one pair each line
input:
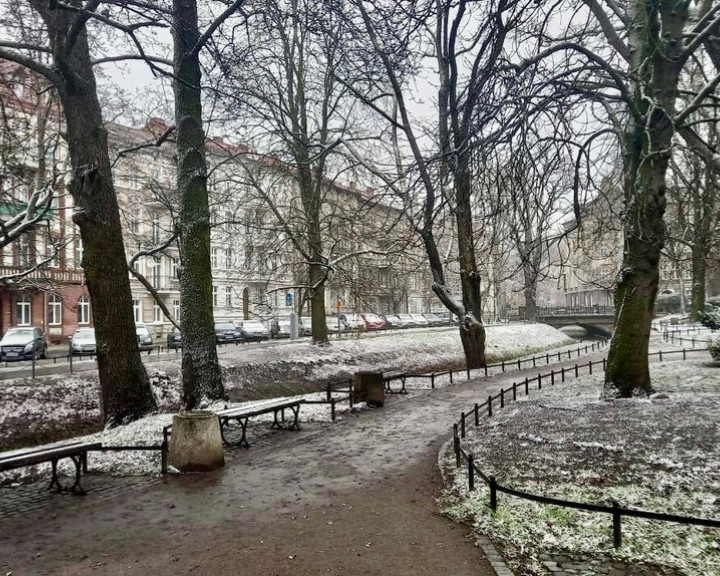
[354,497]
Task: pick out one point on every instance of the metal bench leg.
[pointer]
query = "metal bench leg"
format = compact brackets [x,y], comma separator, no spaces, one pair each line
[403,390]
[276,424]
[54,482]
[243,439]
[296,413]
[78,461]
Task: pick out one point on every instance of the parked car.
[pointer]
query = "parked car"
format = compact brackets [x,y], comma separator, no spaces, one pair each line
[23,343]
[407,321]
[393,321]
[352,322]
[82,342]
[373,322]
[144,338]
[174,339]
[253,331]
[305,327]
[280,328]
[334,324]
[225,332]
[434,319]
[419,320]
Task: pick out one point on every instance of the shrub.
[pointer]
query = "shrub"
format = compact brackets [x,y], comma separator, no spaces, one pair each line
[714,348]
[711,319]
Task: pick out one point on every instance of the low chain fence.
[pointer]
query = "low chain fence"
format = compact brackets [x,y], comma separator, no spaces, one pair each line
[505,396]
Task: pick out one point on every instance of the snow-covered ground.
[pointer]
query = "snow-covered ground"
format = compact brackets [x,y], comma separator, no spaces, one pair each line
[36,410]
[660,454]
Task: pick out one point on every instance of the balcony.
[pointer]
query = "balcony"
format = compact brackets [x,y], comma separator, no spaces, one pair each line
[48,274]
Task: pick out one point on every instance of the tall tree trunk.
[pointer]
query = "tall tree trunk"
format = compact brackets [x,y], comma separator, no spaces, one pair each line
[202,378]
[646,163]
[655,66]
[124,386]
[472,331]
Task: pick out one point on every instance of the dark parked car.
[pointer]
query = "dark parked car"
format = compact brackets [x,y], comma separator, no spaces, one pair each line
[174,339]
[225,332]
[23,343]
[82,342]
[253,331]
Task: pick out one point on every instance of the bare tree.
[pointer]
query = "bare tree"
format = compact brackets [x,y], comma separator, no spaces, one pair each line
[467,41]
[282,84]
[630,58]
[62,33]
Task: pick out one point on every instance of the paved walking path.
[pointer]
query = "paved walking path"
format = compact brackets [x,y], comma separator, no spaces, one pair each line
[354,497]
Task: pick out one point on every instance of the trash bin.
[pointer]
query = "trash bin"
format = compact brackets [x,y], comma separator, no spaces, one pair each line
[370,388]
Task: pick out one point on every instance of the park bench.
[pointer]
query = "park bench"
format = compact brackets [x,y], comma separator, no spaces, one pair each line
[75,451]
[242,414]
[388,379]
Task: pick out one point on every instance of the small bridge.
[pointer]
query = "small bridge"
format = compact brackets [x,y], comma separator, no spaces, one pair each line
[597,320]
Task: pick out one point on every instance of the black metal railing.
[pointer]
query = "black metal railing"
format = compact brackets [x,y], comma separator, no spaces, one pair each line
[524,387]
[545,311]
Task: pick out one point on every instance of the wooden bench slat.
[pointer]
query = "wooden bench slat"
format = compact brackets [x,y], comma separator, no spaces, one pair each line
[40,456]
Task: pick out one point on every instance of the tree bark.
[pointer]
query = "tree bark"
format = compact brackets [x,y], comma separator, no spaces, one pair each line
[124,386]
[201,375]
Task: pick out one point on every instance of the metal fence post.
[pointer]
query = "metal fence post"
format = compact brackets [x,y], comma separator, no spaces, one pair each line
[332,409]
[527,388]
[660,355]
[590,367]
[456,446]
[563,374]
[451,377]
[539,381]
[432,380]
[490,406]
[603,364]
[477,414]
[617,528]
[684,356]
[519,364]
[576,370]
[552,377]
[502,398]
[514,391]
[503,365]
[471,472]
[493,494]
[462,424]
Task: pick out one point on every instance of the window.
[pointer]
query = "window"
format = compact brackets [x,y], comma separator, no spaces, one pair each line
[23,251]
[176,310]
[155,228]
[215,296]
[78,252]
[54,313]
[135,223]
[174,267]
[228,258]
[157,272]
[83,310]
[22,311]
[228,295]
[214,257]
[137,311]
[157,314]
[247,263]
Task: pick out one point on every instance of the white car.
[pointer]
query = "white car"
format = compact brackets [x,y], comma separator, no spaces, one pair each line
[144,338]
[83,342]
[253,331]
